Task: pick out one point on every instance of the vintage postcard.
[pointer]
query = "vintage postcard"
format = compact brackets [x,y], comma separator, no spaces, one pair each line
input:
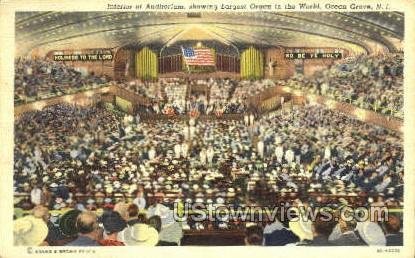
[207,128]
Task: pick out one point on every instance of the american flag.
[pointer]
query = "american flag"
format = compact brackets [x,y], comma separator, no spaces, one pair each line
[198,56]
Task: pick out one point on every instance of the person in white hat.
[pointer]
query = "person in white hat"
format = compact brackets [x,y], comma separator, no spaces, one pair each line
[36,195]
[192,132]
[29,231]
[203,156]
[177,150]
[327,153]
[184,149]
[251,119]
[139,200]
[260,148]
[279,153]
[210,153]
[302,228]
[186,132]
[152,153]
[289,156]
[246,119]
[371,233]
[140,235]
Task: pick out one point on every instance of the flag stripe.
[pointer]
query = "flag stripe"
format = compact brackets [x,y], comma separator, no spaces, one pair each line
[201,56]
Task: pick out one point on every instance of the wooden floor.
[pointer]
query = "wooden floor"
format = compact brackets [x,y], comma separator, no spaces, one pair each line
[213,238]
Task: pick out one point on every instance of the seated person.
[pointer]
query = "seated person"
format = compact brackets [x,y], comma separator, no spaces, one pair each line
[89,231]
[155,222]
[253,235]
[392,226]
[113,224]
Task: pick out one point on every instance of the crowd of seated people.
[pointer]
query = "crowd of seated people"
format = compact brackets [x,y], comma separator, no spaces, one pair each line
[42,78]
[220,97]
[247,88]
[64,153]
[112,225]
[124,224]
[200,104]
[176,96]
[226,96]
[323,232]
[150,90]
[76,165]
[65,143]
[369,82]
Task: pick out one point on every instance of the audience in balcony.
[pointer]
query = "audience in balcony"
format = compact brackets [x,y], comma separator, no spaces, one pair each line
[37,79]
[369,82]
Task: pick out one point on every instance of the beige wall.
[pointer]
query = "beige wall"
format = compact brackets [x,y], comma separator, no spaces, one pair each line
[283,68]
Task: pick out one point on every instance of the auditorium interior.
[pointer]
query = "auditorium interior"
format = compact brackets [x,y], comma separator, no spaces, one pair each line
[136,116]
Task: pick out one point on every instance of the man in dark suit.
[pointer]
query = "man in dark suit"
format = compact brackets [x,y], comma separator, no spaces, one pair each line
[253,235]
[392,229]
[88,230]
[282,235]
